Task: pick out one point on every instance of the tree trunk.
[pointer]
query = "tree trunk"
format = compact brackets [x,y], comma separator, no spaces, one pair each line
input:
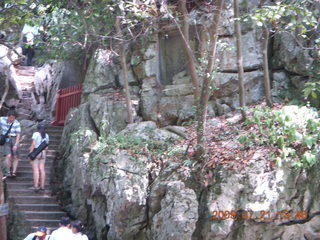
[266,77]
[188,51]
[203,105]
[6,90]
[239,57]
[125,71]
[3,225]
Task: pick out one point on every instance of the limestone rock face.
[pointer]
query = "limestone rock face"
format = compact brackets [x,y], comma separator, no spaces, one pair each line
[120,196]
[178,215]
[108,115]
[268,194]
[113,193]
[48,80]
[251,48]
[7,71]
[290,56]
[101,75]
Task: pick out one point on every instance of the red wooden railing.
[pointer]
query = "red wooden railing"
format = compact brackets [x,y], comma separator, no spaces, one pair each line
[67,98]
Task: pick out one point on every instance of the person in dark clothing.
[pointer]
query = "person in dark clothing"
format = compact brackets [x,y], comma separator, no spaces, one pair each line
[28,47]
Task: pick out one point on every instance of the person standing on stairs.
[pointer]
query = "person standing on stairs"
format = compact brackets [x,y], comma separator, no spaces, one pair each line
[10,148]
[38,164]
[63,232]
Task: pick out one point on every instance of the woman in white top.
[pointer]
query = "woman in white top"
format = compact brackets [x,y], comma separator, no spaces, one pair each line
[77,229]
[38,163]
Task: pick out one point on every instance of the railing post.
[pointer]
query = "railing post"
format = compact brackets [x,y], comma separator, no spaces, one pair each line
[57,115]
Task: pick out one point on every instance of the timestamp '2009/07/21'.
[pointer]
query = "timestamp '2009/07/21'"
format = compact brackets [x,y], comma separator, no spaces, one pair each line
[259,215]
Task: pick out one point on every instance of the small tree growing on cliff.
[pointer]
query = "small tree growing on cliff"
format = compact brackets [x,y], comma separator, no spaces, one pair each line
[201,97]
[239,57]
[294,19]
[125,70]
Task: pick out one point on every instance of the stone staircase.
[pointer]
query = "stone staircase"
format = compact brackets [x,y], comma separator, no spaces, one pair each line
[39,209]
[25,79]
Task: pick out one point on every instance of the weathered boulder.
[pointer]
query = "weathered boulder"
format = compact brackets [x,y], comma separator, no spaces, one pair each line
[103,185]
[108,115]
[148,130]
[173,110]
[227,54]
[150,95]
[228,89]
[178,215]
[7,71]
[101,74]
[290,56]
[48,80]
[280,83]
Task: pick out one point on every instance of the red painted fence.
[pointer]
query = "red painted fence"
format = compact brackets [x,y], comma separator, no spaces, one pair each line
[67,98]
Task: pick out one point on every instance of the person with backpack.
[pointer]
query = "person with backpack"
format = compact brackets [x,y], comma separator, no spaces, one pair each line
[78,229]
[40,234]
[11,131]
[38,164]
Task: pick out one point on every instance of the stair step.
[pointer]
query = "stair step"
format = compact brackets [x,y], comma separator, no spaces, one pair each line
[44,215]
[53,144]
[29,178]
[24,192]
[55,140]
[27,169]
[33,199]
[44,222]
[24,157]
[26,151]
[39,207]
[22,185]
[25,164]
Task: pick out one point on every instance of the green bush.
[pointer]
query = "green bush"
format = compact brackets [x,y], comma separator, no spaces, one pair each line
[294,131]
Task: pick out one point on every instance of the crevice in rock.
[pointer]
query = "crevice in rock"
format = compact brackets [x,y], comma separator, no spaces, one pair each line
[245,70]
[202,212]
[93,124]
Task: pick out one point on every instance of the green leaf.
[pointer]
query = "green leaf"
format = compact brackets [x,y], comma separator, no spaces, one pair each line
[314,94]
[280,142]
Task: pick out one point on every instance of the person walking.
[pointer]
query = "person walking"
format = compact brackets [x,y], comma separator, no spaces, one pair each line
[40,234]
[63,232]
[11,145]
[77,230]
[38,164]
